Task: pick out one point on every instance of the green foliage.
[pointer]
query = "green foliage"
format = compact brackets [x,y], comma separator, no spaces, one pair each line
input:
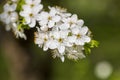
[91,44]
[21,19]
[21,24]
[19,5]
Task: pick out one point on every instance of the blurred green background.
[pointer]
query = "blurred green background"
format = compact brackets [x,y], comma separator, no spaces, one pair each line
[103,19]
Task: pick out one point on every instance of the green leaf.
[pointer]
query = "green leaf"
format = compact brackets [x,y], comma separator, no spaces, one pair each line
[94,43]
[91,44]
[19,5]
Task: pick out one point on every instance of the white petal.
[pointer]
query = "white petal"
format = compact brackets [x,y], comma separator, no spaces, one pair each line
[43,22]
[37,17]
[52,12]
[79,42]
[43,15]
[62,58]
[13,7]
[72,39]
[6,7]
[67,14]
[83,30]
[56,18]
[81,55]
[86,39]
[65,20]
[8,20]
[64,26]
[14,17]
[61,49]
[64,33]
[37,9]
[75,30]
[44,28]
[80,23]
[26,8]
[74,18]
[56,34]
[51,24]
[36,2]
[33,23]
[8,27]
[28,1]
[73,25]
[68,44]
[28,20]
[24,14]
[3,16]
[45,48]
[52,44]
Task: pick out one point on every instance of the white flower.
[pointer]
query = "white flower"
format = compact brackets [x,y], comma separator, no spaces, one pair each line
[62,12]
[30,16]
[57,54]
[48,19]
[75,52]
[30,11]
[9,15]
[81,35]
[72,21]
[18,32]
[42,39]
[61,36]
[34,4]
[62,33]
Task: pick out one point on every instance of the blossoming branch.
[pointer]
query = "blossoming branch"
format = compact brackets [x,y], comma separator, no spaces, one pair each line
[61,32]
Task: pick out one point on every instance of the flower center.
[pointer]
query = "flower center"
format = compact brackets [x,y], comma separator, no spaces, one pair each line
[70,34]
[32,5]
[31,15]
[9,12]
[49,18]
[71,23]
[78,35]
[60,40]
[45,39]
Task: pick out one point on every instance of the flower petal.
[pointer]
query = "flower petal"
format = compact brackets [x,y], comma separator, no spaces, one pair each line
[61,49]
[74,17]
[28,1]
[80,22]
[37,2]
[56,18]
[84,30]
[33,23]
[75,30]
[45,48]
[64,26]
[86,39]
[27,20]
[52,44]
[79,42]
[62,58]
[51,24]
[37,9]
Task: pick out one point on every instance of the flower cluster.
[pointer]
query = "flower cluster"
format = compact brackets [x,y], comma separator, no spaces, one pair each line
[10,18]
[57,30]
[62,32]
[30,11]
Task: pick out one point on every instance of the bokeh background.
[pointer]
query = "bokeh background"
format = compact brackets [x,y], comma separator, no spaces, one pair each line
[103,19]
